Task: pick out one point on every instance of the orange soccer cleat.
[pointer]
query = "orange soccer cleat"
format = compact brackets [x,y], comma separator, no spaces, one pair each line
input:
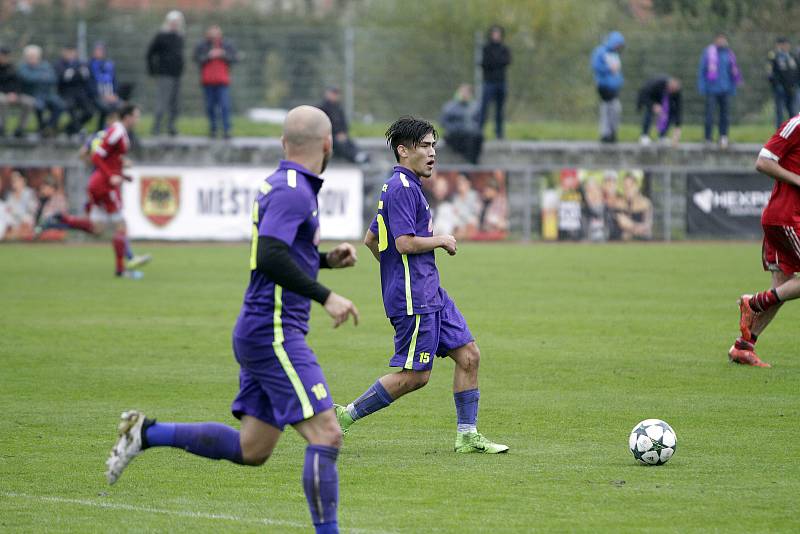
[746,317]
[745,356]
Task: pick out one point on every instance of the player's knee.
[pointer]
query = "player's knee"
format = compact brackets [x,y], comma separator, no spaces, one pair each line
[331,435]
[471,358]
[417,379]
[254,456]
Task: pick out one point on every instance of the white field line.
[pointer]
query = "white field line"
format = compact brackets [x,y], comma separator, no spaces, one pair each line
[164,511]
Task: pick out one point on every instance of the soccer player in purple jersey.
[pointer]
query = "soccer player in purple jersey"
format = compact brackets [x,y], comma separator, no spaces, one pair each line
[426,321]
[280,381]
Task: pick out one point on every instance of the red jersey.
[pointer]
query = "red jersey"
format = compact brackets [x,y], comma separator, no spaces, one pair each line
[107,158]
[783,208]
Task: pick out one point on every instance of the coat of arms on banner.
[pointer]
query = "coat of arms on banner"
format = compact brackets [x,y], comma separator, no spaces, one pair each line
[160,198]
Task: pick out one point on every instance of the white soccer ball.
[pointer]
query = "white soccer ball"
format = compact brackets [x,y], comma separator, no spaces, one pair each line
[653,442]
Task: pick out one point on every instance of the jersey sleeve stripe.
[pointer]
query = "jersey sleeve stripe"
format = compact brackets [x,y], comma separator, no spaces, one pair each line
[283,358]
[790,127]
[407,273]
[291,178]
[404,180]
[766,154]
[412,347]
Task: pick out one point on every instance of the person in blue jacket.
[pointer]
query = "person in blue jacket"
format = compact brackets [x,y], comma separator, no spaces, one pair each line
[717,78]
[607,69]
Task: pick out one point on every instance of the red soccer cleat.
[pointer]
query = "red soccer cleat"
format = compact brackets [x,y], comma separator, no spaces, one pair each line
[746,317]
[745,357]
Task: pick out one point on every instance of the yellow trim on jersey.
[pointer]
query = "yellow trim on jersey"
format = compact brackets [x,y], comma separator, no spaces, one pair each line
[407,273]
[412,348]
[280,352]
[254,236]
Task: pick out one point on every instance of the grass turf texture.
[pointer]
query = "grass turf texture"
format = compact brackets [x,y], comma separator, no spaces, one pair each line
[579,343]
[531,131]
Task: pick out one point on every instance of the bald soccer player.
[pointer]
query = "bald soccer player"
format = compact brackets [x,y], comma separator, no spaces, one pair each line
[280,381]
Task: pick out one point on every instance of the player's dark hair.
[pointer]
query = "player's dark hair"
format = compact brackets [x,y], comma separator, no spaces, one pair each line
[409,132]
[127,110]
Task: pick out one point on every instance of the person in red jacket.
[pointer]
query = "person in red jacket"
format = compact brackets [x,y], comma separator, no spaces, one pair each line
[105,192]
[215,55]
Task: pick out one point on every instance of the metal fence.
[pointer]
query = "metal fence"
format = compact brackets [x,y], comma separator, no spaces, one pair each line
[386,72]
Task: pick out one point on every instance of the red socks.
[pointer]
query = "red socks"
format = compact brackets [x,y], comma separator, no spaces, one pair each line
[764,300]
[119,250]
[78,223]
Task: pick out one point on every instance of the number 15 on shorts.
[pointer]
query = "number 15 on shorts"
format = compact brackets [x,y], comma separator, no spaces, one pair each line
[424,357]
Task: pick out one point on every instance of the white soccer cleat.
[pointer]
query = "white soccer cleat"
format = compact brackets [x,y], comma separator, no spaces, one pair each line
[138,261]
[128,445]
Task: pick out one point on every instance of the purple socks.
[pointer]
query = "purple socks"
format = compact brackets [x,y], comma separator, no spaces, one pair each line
[372,400]
[210,440]
[467,409]
[321,485]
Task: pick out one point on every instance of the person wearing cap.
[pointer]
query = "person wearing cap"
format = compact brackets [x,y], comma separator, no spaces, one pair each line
[343,144]
[782,73]
[11,94]
[214,56]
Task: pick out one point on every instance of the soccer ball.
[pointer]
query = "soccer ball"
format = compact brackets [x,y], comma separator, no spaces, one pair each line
[653,442]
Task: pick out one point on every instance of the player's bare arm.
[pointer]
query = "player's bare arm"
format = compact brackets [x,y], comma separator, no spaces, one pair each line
[371,242]
[410,244]
[773,169]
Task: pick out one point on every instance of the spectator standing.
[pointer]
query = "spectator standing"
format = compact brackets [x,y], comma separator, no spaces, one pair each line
[783,76]
[75,88]
[215,55]
[165,62]
[461,122]
[39,81]
[717,78]
[607,69]
[495,59]
[660,97]
[11,95]
[343,144]
[104,80]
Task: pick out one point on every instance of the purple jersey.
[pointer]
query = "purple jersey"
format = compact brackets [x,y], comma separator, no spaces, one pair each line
[410,282]
[285,209]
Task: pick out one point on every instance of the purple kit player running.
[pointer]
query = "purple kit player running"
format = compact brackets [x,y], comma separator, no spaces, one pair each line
[281,382]
[426,321]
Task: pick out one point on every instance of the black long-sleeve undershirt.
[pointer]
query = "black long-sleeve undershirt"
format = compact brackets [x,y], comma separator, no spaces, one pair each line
[273,260]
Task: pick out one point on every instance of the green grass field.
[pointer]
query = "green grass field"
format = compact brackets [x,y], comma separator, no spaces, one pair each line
[529,131]
[578,342]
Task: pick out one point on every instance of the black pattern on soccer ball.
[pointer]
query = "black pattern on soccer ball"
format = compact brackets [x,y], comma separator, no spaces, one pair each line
[653,442]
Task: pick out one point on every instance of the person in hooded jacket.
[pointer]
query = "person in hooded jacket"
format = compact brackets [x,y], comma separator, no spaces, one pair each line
[607,69]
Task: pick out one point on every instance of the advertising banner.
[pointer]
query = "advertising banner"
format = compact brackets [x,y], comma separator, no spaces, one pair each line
[215,203]
[597,205]
[29,197]
[726,205]
[471,205]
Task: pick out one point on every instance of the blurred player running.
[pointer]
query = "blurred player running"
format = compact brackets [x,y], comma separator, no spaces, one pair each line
[780,160]
[427,322]
[107,151]
[280,381]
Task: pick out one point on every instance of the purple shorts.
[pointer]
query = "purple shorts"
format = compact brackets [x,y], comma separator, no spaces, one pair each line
[418,338]
[279,383]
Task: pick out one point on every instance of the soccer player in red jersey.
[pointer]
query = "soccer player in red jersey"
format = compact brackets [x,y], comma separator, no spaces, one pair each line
[780,160]
[105,195]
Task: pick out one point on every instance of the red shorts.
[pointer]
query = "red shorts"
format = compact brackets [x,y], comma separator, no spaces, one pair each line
[781,249]
[102,195]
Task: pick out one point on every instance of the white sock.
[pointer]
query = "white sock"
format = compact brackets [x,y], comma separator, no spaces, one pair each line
[467,429]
